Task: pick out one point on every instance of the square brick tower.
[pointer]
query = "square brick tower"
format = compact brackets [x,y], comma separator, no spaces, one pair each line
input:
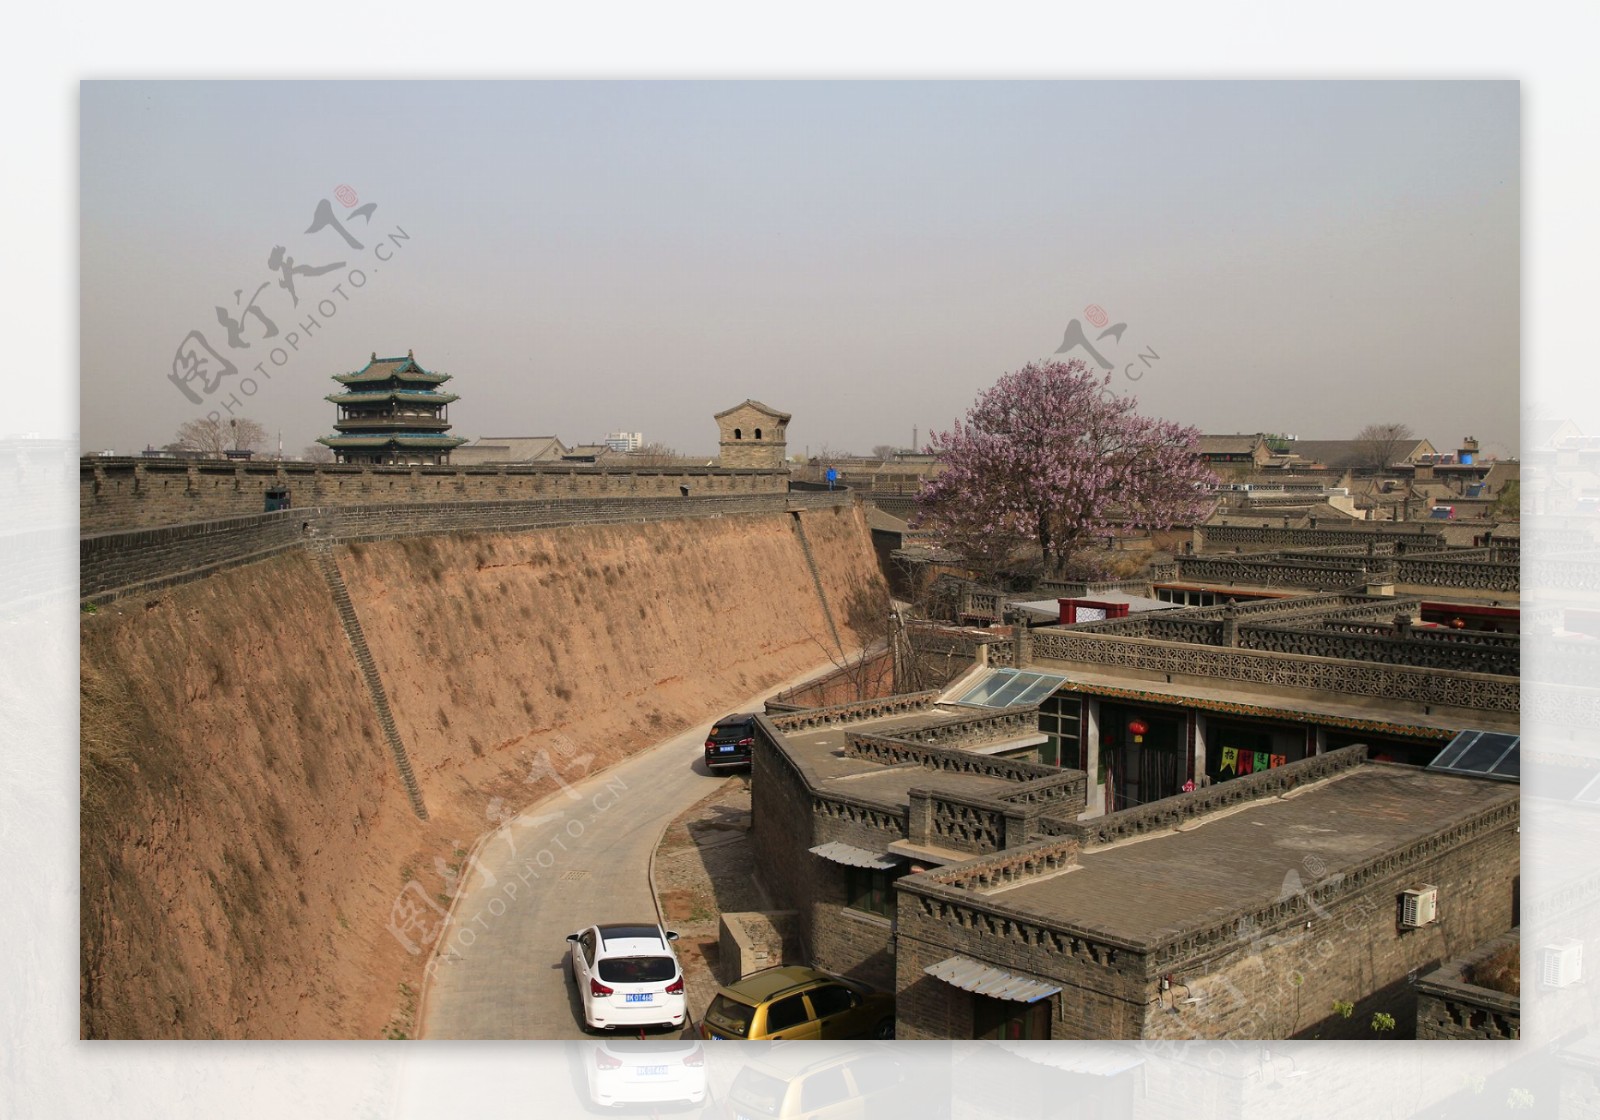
[752,436]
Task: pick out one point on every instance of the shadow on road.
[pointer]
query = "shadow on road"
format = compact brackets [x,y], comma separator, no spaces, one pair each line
[699,767]
[575,1006]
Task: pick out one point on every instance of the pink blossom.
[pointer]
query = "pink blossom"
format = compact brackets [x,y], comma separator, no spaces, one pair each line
[1051,455]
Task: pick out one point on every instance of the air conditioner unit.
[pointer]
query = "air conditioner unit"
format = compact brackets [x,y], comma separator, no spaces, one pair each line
[1419,907]
[1562,964]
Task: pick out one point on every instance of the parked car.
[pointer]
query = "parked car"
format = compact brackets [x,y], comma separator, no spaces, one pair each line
[731,741]
[623,1072]
[812,1082]
[797,1002]
[627,976]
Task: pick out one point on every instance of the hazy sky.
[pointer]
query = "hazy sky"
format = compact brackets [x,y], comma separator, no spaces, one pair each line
[1302,257]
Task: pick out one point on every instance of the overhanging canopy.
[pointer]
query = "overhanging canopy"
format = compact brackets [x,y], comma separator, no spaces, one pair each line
[986,980]
[852,856]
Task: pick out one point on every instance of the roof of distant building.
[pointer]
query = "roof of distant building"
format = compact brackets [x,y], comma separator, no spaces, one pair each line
[382,369]
[512,449]
[1228,445]
[767,408]
[1341,453]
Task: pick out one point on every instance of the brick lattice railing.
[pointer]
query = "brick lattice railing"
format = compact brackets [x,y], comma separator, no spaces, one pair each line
[1482,691]
[1170,812]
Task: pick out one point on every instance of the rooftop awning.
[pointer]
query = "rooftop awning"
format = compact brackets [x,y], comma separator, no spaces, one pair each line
[1005,688]
[986,980]
[852,856]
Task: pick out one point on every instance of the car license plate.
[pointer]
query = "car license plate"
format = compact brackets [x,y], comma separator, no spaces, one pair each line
[725,750]
[640,997]
[652,1071]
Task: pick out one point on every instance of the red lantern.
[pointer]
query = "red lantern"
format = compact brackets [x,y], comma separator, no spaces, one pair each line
[1137,728]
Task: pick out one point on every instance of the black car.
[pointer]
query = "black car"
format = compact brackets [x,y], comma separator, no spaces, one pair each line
[731,741]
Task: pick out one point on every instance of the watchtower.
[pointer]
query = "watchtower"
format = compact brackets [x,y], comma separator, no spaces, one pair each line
[752,436]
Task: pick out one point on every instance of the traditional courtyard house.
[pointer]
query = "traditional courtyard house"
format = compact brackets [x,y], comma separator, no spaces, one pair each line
[1287,717]
[1392,640]
[909,846]
[848,798]
[1244,911]
[392,412]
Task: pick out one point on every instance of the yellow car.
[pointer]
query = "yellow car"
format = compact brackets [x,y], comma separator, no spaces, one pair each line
[824,1083]
[796,1002]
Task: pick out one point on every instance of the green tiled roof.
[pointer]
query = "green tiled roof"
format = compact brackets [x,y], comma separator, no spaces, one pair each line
[399,439]
[383,369]
[425,396]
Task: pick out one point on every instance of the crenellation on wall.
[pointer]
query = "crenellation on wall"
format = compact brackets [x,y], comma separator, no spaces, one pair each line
[120,494]
[125,562]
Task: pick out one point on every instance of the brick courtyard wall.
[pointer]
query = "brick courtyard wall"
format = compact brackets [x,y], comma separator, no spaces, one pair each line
[1102,977]
[787,820]
[1256,973]
[132,493]
[1284,980]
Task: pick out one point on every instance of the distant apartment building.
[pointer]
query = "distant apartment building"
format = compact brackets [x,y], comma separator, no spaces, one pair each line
[625,441]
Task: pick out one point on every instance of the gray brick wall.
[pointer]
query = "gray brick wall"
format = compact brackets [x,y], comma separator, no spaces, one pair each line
[124,493]
[1264,979]
[783,830]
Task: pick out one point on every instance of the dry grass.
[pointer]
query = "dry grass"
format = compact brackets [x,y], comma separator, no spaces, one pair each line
[1500,972]
[107,741]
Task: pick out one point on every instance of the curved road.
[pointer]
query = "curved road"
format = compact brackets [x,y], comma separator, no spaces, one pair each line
[579,857]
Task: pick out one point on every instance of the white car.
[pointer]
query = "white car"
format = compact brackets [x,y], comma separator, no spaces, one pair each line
[626,1071]
[627,976]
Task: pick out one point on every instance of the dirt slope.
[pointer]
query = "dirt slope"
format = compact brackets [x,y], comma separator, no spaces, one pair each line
[245,836]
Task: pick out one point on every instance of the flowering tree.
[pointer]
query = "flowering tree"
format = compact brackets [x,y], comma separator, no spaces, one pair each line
[1051,455]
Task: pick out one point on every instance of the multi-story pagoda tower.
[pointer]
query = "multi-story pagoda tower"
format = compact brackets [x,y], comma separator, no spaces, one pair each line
[392,412]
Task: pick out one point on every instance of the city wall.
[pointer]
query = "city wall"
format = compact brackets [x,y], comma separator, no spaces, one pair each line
[134,493]
[249,850]
[130,561]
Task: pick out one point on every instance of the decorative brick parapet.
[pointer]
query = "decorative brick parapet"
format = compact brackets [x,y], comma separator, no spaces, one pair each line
[810,719]
[1478,575]
[1455,688]
[1269,538]
[966,822]
[1501,657]
[986,727]
[1182,808]
[1087,589]
[1450,1006]
[1008,868]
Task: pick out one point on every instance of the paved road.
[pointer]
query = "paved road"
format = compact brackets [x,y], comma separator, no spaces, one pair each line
[579,857]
